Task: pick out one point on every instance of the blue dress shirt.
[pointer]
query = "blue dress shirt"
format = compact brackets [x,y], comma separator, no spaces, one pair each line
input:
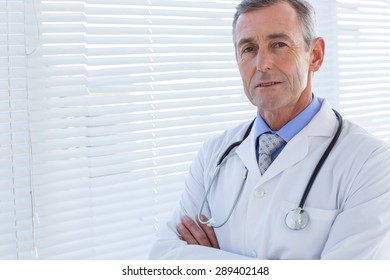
[289,130]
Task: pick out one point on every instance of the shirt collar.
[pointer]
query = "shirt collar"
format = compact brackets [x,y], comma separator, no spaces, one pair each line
[293,127]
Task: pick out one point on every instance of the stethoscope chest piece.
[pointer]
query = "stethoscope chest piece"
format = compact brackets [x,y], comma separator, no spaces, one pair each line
[297,219]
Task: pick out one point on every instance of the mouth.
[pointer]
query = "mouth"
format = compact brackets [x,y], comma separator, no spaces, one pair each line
[267,84]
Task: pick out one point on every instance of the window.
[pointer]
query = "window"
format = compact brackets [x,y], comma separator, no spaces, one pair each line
[104,104]
[16,231]
[364,63]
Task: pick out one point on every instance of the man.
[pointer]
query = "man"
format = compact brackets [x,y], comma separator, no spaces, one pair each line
[349,203]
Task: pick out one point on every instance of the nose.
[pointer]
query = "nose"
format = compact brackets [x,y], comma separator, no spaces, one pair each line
[264,61]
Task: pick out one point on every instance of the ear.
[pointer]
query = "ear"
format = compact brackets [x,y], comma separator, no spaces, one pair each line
[317,54]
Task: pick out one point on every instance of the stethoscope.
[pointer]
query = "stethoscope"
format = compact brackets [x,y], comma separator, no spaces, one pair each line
[295,219]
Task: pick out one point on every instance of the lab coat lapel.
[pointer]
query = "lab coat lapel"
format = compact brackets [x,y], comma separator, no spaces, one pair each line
[324,124]
[295,151]
[247,153]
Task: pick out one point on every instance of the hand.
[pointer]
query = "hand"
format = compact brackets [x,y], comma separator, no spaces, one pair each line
[197,233]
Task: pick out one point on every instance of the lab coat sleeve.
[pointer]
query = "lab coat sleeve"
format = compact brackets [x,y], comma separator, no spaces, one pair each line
[362,229]
[167,245]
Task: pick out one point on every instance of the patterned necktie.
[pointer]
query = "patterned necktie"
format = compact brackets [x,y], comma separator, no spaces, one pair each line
[268,143]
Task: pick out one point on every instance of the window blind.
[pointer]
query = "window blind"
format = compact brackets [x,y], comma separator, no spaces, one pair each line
[122,94]
[15,201]
[105,104]
[364,63]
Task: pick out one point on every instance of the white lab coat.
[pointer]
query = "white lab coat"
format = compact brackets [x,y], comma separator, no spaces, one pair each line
[349,204]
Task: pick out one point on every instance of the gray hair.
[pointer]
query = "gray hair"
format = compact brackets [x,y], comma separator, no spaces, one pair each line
[305,11]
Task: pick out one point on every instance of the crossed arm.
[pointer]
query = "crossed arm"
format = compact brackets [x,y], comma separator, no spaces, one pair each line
[197,233]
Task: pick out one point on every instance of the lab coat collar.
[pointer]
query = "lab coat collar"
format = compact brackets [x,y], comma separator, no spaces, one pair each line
[324,124]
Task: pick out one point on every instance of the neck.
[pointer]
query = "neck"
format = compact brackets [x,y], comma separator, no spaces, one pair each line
[280,117]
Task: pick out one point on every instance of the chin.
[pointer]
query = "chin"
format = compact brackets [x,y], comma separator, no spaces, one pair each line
[267,104]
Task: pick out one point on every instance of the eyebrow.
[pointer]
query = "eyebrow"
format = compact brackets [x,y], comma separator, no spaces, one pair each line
[272,36]
[244,41]
[279,36]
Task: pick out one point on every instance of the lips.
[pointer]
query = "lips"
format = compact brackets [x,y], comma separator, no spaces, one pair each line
[267,84]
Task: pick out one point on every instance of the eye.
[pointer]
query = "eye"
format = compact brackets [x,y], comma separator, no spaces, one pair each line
[279,45]
[248,50]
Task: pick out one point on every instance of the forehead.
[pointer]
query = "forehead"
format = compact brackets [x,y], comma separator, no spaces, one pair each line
[279,18]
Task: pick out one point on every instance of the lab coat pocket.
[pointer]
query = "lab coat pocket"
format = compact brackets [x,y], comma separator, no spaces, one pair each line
[306,243]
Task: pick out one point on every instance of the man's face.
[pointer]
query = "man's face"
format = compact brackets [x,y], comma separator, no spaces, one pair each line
[273,59]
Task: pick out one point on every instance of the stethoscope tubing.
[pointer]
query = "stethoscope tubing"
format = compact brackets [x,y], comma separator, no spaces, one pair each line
[322,160]
[211,221]
[235,144]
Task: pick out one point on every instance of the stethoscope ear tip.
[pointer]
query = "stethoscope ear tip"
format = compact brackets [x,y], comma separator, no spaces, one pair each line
[211,222]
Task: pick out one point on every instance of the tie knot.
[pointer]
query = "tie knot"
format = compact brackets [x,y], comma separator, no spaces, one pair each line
[268,143]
